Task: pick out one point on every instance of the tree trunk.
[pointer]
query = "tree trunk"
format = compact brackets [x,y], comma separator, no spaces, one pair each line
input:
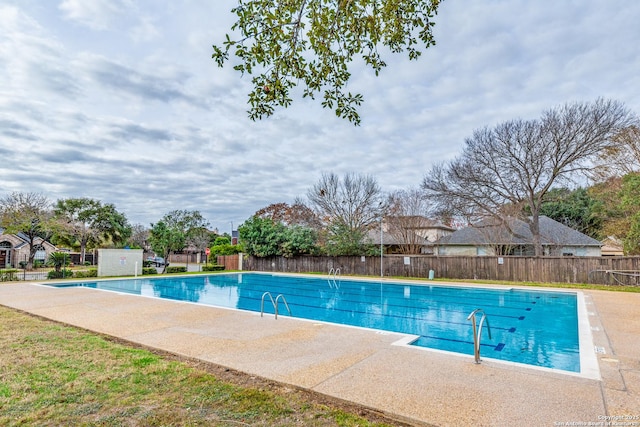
[83,250]
[534,226]
[32,253]
[166,262]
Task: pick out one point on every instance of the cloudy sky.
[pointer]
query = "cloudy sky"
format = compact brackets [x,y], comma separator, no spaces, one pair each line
[119,100]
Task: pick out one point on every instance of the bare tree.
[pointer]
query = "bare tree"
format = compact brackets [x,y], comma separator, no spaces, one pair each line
[515,164]
[198,240]
[406,219]
[140,237]
[29,214]
[347,207]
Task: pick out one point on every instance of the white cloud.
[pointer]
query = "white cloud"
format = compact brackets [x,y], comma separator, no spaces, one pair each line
[95,14]
[145,31]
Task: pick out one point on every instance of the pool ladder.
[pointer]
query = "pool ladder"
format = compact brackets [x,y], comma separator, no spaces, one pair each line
[334,276]
[477,332]
[274,302]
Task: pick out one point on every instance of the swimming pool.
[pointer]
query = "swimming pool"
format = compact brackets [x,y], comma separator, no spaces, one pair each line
[538,328]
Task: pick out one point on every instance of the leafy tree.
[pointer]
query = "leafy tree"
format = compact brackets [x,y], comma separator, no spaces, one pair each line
[114,225]
[226,249]
[222,240]
[299,240]
[312,43]
[222,246]
[575,209]
[630,203]
[622,157]
[341,240]
[631,242]
[515,164]
[173,231]
[164,239]
[89,222]
[615,222]
[262,237]
[619,208]
[30,214]
[348,208]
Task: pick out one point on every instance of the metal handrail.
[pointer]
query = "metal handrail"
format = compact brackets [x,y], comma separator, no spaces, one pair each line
[284,300]
[262,303]
[477,332]
[274,303]
[334,273]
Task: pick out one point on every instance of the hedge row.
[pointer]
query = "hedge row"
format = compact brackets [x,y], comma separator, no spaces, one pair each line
[212,267]
[8,275]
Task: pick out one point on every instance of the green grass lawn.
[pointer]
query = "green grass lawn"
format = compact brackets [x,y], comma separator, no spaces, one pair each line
[51,374]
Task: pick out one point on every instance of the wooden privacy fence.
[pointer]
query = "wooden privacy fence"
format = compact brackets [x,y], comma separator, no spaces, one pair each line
[595,270]
[192,258]
[230,262]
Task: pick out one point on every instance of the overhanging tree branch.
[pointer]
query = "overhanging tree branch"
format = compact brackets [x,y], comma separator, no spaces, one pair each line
[311,44]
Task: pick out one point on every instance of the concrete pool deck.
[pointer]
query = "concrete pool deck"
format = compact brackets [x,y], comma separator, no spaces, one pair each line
[363,366]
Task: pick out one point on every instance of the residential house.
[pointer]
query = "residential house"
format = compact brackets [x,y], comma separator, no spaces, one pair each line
[612,246]
[408,234]
[515,238]
[14,248]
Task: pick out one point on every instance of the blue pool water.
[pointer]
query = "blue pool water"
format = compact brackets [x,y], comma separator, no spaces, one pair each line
[532,327]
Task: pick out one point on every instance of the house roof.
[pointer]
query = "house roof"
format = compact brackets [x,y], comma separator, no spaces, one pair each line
[552,233]
[411,225]
[422,223]
[373,236]
[23,239]
[20,235]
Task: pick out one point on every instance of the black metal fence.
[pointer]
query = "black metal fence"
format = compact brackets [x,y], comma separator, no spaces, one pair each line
[37,271]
